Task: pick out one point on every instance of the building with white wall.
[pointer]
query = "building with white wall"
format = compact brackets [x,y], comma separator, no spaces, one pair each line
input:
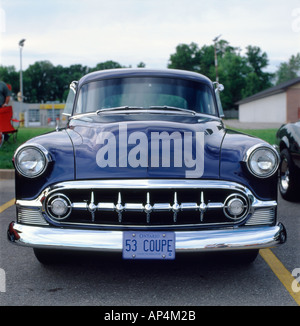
[278,104]
[39,115]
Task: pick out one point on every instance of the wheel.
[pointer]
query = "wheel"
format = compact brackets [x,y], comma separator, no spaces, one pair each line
[288,177]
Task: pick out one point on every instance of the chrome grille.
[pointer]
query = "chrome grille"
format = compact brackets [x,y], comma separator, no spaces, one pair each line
[149,207]
[262,216]
[149,203]
[30,216]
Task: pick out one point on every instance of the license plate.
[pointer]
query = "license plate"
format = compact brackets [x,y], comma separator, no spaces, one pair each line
[148,245]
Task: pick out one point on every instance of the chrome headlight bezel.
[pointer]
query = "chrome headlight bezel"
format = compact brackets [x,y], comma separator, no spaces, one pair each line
[262,160]
[39,155]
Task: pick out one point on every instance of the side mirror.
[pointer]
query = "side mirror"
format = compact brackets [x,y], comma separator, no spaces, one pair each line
[73,86]
[219,88]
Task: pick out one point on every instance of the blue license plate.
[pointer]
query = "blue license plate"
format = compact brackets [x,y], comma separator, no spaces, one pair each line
[148,245]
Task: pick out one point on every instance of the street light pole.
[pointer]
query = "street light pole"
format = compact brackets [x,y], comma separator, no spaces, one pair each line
[21,44]
[216,57]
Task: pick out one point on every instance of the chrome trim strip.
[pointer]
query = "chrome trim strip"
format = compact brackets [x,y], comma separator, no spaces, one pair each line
[36,203]
[135,184]
[147,184]
[205,240]
[132,184]
[146,226]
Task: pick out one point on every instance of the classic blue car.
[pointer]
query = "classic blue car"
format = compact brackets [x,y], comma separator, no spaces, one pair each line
[146,167]
[288,138]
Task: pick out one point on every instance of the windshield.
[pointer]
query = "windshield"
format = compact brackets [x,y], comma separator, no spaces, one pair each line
[145,92]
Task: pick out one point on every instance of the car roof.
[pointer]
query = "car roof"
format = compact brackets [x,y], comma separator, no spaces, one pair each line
[143,72]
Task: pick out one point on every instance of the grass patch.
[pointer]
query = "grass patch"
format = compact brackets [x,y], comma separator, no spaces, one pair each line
[9,147]
[268,135]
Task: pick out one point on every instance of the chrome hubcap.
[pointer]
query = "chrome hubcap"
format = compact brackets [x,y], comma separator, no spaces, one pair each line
[284,175]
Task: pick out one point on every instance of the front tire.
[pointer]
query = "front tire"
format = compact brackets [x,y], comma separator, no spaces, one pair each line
[288,177]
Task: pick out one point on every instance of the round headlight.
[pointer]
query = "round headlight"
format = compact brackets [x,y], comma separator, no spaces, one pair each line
[263,161]
[31,161]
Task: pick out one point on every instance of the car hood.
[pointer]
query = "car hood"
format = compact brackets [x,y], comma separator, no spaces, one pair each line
[146,147]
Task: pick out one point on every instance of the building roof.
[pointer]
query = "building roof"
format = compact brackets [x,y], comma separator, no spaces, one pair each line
[270,91]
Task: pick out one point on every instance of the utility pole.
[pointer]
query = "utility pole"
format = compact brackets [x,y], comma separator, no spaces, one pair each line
[216,57]
[21,96]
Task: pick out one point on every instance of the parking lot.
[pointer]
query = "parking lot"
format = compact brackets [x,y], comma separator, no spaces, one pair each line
[190,280]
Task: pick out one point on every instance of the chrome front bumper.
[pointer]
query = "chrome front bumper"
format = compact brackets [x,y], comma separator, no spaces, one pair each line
[104,240]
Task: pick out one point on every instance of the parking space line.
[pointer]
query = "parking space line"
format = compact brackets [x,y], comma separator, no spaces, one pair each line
[7,205]
[284,276]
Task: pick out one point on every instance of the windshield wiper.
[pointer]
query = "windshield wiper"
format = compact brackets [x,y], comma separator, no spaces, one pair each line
[148,110]
[172,108]
[119,108]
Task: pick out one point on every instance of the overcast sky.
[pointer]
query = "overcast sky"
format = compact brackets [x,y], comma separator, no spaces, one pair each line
[67,32]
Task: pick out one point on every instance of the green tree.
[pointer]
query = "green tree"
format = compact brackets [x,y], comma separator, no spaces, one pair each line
[223,47]
[241,75]
[9,75]
[186,57]
[191,57]
[68,74]
[256,79]
[231,66]
[257,60]
[40,83]
[141,65]
[107,65]
[75,72]
[207,61]
[45,82]
[232,71]
[288,70]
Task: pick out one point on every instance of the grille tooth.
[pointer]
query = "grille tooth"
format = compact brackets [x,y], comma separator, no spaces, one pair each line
[148,208]
[119,208]
[175,208]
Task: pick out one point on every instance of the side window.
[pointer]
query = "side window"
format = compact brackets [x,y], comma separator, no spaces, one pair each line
[70,99]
